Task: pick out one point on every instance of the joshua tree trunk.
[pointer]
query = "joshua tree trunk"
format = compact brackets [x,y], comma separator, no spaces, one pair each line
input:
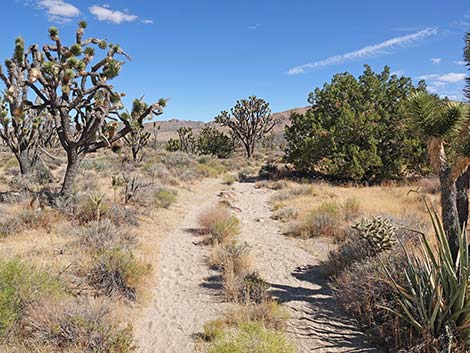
[450,214]
[463,185]
[25,161]
[73,164]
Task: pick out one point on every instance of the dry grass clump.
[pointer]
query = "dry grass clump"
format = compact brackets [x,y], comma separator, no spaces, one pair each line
[229,179]
[285,214]
[210,167]
[28,219]
[329,219]
[270,312]
[251,337]
[429,185]
[78,325]
[293,192]
[219,224]
[164,197]
[117,272]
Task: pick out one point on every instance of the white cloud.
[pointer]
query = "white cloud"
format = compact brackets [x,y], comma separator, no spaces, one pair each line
[459,62]
[398,72]
[366,51]
[147,22]
[104,13]
[436,60]
[253,27]
[58,10]
[451,77]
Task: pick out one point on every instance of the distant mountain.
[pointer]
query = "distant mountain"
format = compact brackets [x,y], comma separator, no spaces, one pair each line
[168,127]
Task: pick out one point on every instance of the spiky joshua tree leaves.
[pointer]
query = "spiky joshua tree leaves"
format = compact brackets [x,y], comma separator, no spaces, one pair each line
[75,89]
[249,120]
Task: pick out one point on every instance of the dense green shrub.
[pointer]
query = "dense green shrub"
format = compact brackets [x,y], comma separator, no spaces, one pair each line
[213,142]
[356,129]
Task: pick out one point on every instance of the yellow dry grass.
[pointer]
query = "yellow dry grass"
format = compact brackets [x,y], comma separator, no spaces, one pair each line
[397,201]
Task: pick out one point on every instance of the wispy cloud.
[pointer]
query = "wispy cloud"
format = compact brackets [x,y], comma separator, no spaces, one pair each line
[104,13]
[147,22]
[450,77]
[436,60]
[367,51]
[459,62]
[58,10]
[253,27]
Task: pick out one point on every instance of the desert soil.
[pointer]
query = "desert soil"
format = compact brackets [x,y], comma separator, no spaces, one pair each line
[185,297]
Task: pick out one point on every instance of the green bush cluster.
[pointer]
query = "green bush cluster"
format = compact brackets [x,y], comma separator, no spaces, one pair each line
[357,129]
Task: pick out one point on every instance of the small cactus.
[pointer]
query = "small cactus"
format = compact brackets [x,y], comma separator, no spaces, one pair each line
[379,231]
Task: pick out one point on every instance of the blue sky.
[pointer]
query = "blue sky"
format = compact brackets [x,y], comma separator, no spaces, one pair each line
[206,54]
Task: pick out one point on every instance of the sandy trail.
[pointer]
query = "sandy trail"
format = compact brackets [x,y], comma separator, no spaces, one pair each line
[187,294]
[181,305]
[316,324]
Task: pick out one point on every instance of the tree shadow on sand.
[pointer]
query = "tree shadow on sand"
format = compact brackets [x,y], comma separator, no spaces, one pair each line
[322,319]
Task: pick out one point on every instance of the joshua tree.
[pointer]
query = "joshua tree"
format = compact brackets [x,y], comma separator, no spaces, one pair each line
[77,94]
[155,130]
[445,126]
[24,134]
[21,128]
[187,142]
[137,139]
[250,120]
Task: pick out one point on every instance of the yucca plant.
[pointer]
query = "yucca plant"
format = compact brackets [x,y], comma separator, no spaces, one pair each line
[434,296]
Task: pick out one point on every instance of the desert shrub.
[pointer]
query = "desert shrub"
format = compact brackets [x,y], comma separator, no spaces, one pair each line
[77,325]
[214,142]
[20,285]
[229,179]
[122,215]
[180,164]
[285,214]
[325,220]
[223,231]
[85,207]
[210,216]
[117,272]
[290,193]
[164,197]
[213,329]
[254,289]
[353,250]
[362,292]
[28,219]
[325,138]
[272,314]
[251,337]
[98,165]
[210,167]
[101,235]
[233,256]
[429,185]
[10,163]
[219,224]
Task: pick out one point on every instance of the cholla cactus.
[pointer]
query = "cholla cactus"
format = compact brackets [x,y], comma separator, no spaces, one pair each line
[379,231]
